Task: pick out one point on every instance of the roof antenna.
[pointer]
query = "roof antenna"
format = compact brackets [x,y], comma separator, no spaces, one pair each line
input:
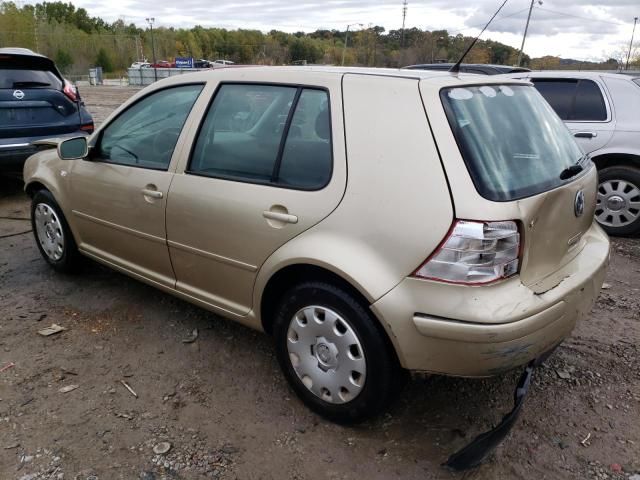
[456,67]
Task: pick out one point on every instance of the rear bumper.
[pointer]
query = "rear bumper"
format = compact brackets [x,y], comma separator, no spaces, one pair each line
[481,331]
[14,151]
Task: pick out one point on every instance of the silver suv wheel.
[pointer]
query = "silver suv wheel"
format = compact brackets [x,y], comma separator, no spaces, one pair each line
[618,203]
[49,231]
[326,354]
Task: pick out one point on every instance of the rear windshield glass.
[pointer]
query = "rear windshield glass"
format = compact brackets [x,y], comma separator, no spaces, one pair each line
[637,80]
[513,143]
[21,78]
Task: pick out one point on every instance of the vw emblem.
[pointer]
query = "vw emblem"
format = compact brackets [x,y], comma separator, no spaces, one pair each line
[578,207]
[19,94]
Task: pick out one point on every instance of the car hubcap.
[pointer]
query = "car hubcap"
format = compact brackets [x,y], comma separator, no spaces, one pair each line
[326,354]
[618,203]
[49,231]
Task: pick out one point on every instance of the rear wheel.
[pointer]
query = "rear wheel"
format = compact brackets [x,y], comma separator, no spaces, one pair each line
[334,354]
[618,202]
[52,233]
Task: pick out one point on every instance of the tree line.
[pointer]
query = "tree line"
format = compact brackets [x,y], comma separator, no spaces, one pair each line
[77,41]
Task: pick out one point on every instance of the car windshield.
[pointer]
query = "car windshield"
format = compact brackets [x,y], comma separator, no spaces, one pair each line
[24,78]
[512,142]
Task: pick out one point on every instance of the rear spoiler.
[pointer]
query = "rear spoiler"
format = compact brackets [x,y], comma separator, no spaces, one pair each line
[29,62]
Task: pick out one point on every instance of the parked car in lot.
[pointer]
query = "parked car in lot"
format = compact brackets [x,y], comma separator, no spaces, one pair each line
[479,68]
[601,110]
[36,102]
[457,239]
[140,65]
[163,64]
[222,62]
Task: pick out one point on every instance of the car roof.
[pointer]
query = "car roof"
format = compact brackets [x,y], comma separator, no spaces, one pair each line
[486,67]
[442,78]
[19,51]
[580,74]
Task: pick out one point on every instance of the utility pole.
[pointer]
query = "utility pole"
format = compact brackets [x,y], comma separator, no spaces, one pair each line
[635,20]
[404,17]
[346,39]
[150,21]
[526,28]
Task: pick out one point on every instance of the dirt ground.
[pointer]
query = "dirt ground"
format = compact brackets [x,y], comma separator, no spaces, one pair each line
[226,411]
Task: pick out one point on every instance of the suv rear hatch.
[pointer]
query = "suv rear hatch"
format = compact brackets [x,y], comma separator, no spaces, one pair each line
[32,98]
[524,165]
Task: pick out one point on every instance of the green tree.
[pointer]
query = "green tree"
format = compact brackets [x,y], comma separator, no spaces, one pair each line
[63,60]
[103,60]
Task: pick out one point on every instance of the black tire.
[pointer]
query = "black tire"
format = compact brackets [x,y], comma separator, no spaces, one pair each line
[384,376]
[69,260]
[630,175]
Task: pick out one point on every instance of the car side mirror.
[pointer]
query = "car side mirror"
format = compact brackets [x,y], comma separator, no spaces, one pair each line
[73,148]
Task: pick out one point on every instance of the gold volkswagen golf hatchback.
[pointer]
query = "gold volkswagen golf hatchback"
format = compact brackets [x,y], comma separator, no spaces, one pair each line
[372,221]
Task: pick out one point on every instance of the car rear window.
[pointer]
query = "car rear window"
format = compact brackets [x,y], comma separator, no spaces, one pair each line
[512,142]
[25,78]
[637,80]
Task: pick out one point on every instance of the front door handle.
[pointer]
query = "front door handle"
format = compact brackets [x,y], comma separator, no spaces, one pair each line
[280,217]
[151,193]
[585,134]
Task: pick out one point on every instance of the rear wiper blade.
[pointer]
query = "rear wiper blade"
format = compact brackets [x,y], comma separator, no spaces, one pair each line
[30,84]
[571,171]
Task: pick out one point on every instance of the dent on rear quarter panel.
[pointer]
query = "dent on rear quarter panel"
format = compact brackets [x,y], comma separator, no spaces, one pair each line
[396,207]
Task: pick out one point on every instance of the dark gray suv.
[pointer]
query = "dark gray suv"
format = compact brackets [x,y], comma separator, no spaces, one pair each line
[36,102]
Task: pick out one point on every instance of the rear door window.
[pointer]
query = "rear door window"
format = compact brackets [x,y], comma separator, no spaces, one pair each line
[270,134]
[589,103]
[512,142]
[573,99]
[559,94]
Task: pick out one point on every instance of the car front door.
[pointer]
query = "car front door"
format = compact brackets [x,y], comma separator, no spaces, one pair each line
[119,193]
[584,107]
[264,167]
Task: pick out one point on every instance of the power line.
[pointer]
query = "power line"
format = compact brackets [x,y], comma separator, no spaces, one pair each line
[581,18]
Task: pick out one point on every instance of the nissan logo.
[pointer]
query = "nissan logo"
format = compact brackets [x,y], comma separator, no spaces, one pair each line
[19,94]
[578,207]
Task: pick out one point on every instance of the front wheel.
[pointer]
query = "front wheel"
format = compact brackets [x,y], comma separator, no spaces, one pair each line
[52,233]
[334,354]
[618,202]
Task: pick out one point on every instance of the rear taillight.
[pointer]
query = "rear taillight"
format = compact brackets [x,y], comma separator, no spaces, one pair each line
[87,127]
[475,253]
[70,91]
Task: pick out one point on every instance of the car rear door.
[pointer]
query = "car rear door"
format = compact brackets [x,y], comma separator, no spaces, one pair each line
[32,101]
[119,194]
[583,104]
[267,164]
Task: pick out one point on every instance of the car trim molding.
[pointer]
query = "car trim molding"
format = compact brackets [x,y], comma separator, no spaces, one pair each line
[15,145]
[213,256]
[115,226]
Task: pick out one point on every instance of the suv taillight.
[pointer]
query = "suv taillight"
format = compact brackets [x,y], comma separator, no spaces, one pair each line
[70,91]
[475,253]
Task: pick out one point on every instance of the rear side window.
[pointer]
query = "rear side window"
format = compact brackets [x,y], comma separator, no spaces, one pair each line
[11,78]
[146,134]
[512,142]
[574,100]
[269,134]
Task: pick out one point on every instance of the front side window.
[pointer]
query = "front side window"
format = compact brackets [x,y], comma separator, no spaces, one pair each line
[268,134]
[512,142]
[146,134]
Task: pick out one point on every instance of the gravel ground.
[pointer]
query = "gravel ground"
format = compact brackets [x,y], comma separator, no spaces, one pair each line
[222,409]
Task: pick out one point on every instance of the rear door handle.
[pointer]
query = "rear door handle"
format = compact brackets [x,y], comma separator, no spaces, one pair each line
[151,193]
[585,134]
[280,217]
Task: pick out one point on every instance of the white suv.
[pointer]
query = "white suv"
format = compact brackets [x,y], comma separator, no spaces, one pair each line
[601,110]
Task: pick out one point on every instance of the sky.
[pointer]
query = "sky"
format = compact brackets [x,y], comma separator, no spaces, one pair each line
[580,29]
